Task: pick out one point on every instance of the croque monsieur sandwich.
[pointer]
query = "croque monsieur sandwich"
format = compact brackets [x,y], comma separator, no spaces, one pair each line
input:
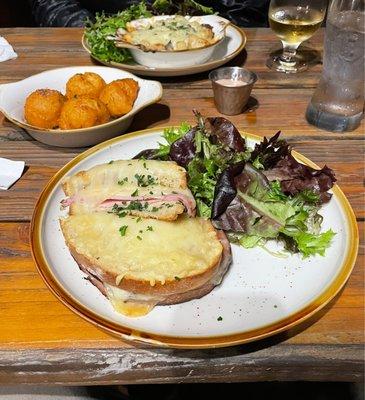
[132,229]
[154,189]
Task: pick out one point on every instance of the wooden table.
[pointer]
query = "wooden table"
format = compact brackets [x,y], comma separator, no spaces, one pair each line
[41,341]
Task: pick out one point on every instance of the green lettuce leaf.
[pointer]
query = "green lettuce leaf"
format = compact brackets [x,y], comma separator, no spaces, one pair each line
[277,211]
[96,32]
[249,241]
[309,244]
[295,220]
[171,135]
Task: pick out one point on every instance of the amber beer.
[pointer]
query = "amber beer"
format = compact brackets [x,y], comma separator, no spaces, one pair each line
[294,24]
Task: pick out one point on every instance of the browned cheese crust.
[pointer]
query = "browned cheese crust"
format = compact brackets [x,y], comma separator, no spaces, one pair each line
[172,292]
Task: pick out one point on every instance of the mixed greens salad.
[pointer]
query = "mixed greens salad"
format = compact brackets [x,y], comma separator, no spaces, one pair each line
[255,195]
[98,30]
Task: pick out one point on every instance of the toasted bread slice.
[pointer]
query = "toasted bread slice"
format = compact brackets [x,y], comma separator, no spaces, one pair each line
[151,189]
[141,263]
[165,173]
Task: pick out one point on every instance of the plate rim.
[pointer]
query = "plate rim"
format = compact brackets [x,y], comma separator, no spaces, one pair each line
[180,71]
[191,342]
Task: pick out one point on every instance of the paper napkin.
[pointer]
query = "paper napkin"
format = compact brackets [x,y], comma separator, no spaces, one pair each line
[6,50]
[10,172]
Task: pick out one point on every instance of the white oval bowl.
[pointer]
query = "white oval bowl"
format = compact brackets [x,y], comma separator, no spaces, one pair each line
[13,96]
[180,58]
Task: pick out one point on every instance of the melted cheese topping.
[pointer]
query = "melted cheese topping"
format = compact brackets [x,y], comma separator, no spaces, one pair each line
[150,250]
[136,305]
[129,304]
[166,173]
[176,33]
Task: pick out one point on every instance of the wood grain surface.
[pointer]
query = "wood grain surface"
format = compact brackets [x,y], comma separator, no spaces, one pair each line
[41,341]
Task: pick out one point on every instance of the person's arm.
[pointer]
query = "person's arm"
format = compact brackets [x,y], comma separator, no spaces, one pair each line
[242,12]
[59,13]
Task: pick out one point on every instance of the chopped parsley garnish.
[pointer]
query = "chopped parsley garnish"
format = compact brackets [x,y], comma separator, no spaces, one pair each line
[122,214]
[145,165]
[139,219]
[149,228]
[139,238]
[122,230]
[143,180]
[154,209]
[133,205]
[111,162]
[168,205]
[123,181]
[219,318]
[177,278]
[135,193]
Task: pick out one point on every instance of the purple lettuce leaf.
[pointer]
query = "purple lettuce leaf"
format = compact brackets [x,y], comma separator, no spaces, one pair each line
[236,216]
[183,150]
[295,177]
[225,133]
[148,154]
[270,151]
[225,189]
[229,211]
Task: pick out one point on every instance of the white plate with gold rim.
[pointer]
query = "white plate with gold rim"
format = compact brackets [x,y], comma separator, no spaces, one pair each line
[260,295]
[233,43]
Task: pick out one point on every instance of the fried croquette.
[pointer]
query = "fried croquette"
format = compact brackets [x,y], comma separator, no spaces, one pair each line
[88,84]
[42,108]
[82,113]
[119,96]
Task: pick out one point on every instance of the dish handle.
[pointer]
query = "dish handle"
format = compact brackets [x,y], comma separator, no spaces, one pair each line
[3,87]
[155,94]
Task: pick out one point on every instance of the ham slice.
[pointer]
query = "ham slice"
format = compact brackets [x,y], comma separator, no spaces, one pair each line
[122,200]
[188,202]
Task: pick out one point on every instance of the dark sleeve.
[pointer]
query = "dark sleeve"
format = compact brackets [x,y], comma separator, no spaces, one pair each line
[59,13]
[242,12]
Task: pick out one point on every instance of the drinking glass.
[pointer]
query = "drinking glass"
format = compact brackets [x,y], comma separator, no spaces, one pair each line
[294,21]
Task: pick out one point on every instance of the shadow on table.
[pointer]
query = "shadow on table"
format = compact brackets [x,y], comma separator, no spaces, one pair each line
[310,56]
[238,61]
[252,105]
[150,116]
